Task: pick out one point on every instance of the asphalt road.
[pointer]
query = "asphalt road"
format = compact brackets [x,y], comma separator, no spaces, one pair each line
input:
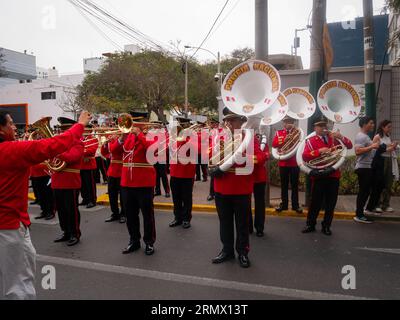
[285,264]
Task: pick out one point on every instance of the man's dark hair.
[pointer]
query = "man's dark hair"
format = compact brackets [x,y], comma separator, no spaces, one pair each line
[364,121]
[3,118]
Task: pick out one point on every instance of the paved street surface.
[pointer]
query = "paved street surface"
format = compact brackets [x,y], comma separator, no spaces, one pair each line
[285,264]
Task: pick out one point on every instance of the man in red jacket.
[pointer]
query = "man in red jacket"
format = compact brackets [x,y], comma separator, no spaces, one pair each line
[182,178]
[260,183]
[138,180]
[233,201]
[325,185]
[41,182]
[66,185]
[17,254]
[288,169]
[88,168]
[112,150]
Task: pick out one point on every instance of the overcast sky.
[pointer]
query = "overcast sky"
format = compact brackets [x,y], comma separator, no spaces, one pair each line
[60,36]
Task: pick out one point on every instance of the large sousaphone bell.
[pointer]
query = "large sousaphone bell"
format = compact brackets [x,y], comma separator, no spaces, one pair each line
[340,103]
[249,90]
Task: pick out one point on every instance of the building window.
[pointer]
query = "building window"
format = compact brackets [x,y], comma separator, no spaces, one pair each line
[49,95]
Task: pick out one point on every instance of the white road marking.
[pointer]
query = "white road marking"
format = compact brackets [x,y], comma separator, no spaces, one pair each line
[381,250]
[201,281]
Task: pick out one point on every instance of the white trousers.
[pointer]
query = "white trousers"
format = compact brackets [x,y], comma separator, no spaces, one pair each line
[17,265]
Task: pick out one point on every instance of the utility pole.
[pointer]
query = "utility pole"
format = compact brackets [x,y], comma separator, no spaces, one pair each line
[317,75]
[369,59]
[186,88]
[261,49]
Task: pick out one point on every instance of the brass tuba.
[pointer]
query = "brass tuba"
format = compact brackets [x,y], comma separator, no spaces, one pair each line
[42,128]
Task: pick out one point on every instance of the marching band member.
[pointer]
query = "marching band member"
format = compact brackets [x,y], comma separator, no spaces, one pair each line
[288,169]
[138,180]
[215,129]
[233,201]
[66,185]
[182,182]
[40,181]
[161,169]
[17,262]
[201,168]
[325,186]
[260,183]
[112,151]
[88,167]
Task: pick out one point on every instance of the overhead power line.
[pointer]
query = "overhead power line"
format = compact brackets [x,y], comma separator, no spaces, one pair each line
[211,29]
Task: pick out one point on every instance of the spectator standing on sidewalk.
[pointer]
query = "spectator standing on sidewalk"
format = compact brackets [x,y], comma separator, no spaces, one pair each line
[390,165]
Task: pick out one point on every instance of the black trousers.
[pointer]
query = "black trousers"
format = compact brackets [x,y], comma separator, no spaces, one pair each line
[114,193]
[68,211]
[259,202]
[201,167]
[234,211]
[212,192]
[290,175]
[88,189]
[323,188]
[135,200]
[44,194]
[182,196]
[371,184]
[161,171]
[101,168]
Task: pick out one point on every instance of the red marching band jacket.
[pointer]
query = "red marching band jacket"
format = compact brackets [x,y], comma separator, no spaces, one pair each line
[137,172]
[314,144]
[278,142]
[39,170]
[91,143]
[112,151]
[16,159]
[260,174]
[231,183]
[179,170]
[69,177]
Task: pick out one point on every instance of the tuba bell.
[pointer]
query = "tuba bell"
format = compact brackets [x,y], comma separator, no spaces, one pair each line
[42,128]
[249,90]
[340,103]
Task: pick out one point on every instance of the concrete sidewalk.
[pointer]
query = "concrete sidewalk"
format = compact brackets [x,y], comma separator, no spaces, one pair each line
[345,208]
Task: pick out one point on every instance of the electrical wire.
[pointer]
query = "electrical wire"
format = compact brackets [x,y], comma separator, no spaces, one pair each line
[211,29]
[223,20]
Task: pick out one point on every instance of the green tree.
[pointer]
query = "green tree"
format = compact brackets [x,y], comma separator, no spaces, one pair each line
[393,4]
[148,80]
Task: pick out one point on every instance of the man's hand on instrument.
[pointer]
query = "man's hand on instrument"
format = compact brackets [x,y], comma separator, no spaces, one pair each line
[337,135]
[85,118]
[324,150]
[136,131]
[215,172]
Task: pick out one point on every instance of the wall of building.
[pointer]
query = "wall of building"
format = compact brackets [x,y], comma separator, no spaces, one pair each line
[17,66]
[43,96]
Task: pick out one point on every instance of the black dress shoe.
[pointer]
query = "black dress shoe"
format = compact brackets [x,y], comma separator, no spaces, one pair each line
[326,231]
[63,238]
[205,180]
[112,218]
[244,261]
[281,209]
[83,203]
[210,198]
[309,229]
[149,251]
[298,210]
[175,223]
[132,247]
[90,205]
[50,217]
[34,202]
[223,257]
[42,216]
[260,234]
[73,241]
[186,225]
[251,231]
[122,219]
[167,195]
[157,194]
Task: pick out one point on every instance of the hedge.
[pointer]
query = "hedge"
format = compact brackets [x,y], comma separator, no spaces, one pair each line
[348,182]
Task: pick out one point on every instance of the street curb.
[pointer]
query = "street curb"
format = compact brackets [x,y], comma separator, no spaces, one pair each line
[103,201]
